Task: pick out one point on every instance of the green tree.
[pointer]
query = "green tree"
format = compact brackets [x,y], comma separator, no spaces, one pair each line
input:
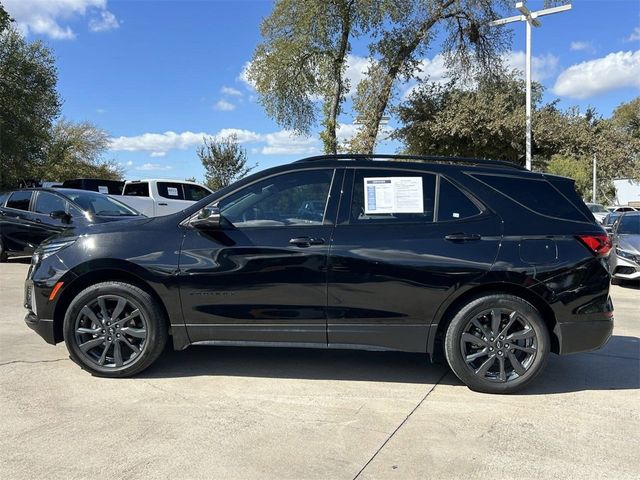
[627,116]
[29,103]
[224,161]
[577,168]
[77,150]
[5,19]
[302,58]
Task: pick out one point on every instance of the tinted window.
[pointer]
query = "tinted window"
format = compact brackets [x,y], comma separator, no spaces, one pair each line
[19,200]
[398,196]
[297,198]
[453,204]
[100,205]
[137,189]
[194,192]
[48,202]
[629,225]
[3,197]
[170,190]
[537,195]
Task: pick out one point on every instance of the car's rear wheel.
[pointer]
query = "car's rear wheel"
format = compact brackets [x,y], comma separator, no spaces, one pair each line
[114,329]
[497,343]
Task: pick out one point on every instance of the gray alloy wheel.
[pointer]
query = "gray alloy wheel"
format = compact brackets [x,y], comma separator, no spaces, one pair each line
[497,343]
[114,329]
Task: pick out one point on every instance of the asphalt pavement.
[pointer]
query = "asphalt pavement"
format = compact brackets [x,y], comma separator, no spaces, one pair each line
[221,412]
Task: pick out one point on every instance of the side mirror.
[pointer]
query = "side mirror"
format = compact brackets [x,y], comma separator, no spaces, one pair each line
[208,219]
[61,215]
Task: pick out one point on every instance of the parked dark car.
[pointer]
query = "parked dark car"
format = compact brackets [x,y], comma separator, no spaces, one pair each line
[110,187]
[625,258]
[29,216]
[488,263]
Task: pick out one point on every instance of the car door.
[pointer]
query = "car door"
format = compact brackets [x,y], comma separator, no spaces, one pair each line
[170,198]
[262,277]
[19,230]
[44,204]
[398,252]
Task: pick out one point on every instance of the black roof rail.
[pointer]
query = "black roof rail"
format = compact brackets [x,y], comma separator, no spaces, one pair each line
[418,158]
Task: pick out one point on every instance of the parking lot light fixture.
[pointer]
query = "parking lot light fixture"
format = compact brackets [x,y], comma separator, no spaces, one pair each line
[531,19]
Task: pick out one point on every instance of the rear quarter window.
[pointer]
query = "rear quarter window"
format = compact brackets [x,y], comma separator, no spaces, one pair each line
[534,194]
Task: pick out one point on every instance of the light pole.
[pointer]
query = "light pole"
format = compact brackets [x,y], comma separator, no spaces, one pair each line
[531,18]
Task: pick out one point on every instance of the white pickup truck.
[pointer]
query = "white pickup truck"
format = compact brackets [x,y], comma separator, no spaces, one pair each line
[158,197]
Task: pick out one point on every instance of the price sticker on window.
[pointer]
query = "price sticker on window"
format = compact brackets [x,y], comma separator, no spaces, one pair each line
[172,191]
[393,195]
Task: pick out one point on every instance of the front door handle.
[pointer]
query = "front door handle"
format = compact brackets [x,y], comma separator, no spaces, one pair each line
[462,237]
[163,204]
[306,241]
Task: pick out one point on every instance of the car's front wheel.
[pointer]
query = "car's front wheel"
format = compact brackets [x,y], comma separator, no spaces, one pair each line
[497,343]
[114,329]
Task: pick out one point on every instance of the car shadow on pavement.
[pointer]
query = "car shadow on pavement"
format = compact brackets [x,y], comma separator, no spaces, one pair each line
[615,367]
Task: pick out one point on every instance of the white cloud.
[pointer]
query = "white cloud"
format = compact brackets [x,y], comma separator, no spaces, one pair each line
[100,110]
[578,46]
[586,79]
[542,66]
[233,92]
[282,142]
[47,17]
[153,166]
[106,21]
[224,106]
[635,35]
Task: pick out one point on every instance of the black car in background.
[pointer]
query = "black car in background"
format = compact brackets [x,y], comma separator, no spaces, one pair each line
[29,216]
[111,187]
[482,261]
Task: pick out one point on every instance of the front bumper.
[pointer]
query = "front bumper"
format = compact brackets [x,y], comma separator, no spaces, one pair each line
[41,326]
[625,269]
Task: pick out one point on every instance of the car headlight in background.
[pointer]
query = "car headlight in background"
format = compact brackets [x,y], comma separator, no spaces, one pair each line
[628,255]
[54,246]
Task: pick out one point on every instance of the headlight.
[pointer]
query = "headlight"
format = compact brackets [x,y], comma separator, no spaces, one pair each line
[626,254]
[54,246]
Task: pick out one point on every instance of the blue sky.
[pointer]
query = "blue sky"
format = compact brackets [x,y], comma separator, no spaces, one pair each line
[158,75]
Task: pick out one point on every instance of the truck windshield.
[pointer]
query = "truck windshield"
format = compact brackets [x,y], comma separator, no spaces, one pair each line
[100,205]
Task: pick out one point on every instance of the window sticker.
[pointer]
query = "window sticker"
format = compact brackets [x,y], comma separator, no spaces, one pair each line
[393,195]
[172,191]
[103,189]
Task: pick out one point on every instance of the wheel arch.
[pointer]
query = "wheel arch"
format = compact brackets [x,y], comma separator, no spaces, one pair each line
[434,343]
[90,275]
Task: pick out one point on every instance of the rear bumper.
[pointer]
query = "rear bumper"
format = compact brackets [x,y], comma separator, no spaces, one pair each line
[583,336]
[41,326]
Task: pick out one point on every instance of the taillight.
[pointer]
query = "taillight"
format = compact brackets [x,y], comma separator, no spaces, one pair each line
[599,243]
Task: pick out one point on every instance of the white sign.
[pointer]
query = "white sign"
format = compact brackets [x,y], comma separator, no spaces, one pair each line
[172,191]
[103,189]
[393,195]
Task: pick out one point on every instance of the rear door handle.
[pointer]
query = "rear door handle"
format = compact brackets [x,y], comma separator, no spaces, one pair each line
[462,237]
[306,241]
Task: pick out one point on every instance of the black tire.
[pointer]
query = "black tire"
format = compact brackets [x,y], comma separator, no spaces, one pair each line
[121,332]
[514,364]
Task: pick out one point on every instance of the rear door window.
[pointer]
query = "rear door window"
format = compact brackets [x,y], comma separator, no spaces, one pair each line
[535,194]
[453,204]
[138,189]
[19,200]
[392,196]
[172,191]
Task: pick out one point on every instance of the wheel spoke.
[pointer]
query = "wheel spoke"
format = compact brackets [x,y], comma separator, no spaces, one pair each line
[117,354]
[482,353]
[89,331]
[87,312]
[129,344]
[89,344]
[136,332]
[118,310]
[529,350]
[480,327]
[503,373]
[515,363]
[103,309]
[496,316]
[131,316]
[486,366]
[521,335]
[512,319]
[470,338]
[103,357]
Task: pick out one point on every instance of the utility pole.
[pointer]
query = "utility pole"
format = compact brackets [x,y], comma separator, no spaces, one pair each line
[531,19]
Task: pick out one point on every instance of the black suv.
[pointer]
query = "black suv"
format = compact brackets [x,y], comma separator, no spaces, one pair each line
[489,264]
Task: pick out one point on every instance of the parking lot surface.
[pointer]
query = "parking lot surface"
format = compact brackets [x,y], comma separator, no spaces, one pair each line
[218,412]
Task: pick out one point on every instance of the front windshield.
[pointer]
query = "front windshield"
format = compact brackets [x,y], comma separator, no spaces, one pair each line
[100,205]
[598,209]
[629,225]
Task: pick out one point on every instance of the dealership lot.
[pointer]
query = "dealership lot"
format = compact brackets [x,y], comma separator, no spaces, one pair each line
[293,413]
